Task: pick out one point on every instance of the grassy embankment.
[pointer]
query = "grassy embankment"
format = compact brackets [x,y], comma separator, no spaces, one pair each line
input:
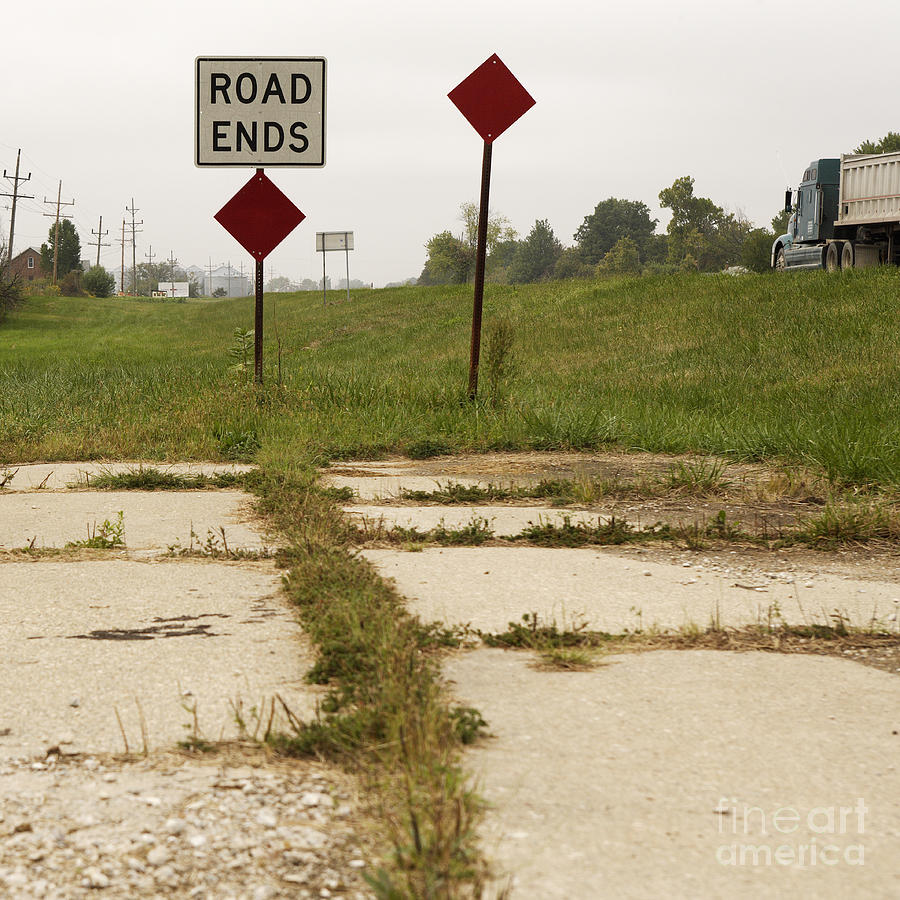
[804,370]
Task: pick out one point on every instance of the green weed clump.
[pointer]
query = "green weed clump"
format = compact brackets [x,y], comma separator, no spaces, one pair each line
[149,478]
[107,536]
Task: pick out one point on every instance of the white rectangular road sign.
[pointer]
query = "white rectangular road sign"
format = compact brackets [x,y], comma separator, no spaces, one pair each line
[333,240]
[260,111]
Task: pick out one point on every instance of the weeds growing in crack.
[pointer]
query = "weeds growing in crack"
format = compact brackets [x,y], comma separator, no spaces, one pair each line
[149,478]
[386,710]
[108,536]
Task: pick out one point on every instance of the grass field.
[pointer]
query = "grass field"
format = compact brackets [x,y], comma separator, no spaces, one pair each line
[803,369]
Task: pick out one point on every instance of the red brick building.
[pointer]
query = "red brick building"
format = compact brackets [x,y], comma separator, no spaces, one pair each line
[27,265]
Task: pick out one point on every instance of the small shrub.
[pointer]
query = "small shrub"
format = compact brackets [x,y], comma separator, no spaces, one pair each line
[98,281]
[235,444]
[499,365]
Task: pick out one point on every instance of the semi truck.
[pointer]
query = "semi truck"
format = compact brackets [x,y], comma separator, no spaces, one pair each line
[844,215]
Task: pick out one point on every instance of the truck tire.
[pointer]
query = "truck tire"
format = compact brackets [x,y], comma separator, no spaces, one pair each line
[779,260]
[848,256]
[833,256]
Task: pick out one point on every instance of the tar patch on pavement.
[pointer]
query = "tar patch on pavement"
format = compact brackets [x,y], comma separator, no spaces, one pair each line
[167,628]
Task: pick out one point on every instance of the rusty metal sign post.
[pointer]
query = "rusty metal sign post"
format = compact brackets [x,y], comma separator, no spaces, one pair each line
[259,111]
[491,99]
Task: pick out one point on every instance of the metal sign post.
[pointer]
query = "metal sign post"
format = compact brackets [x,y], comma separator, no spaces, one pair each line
[334,240]
[491,98]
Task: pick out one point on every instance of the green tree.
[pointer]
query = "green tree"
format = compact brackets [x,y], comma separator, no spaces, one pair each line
[571,265]
[500,259]
[536,255]
[69,256]
[890,143]
[610,221]
[498,227]
[780,222]
[279,283]
[450,260]
[622,259]
[98,281]
[756,253]
[701,235]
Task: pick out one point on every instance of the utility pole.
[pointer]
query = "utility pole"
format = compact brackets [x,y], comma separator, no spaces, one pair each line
[242,275]
[149,256]
[209,269]
[100,235]
[15,196]
[59,203]
[229,277]
[122,270]
[134,230]
[172,262]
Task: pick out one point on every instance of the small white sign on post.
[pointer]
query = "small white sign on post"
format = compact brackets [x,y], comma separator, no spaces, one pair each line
[334,240]
[260,111]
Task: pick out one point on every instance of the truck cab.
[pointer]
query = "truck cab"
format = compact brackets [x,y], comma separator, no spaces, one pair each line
[814,208]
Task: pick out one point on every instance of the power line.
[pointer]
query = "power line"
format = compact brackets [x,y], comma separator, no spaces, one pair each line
[15,196]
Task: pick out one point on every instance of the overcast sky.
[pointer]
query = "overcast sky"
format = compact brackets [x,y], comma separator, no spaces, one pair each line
[740,94]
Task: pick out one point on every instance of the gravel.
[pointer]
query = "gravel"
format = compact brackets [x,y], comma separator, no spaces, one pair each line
[172,826]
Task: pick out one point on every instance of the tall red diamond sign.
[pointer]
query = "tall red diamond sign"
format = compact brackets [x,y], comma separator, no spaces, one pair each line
[491,98]
[259,216]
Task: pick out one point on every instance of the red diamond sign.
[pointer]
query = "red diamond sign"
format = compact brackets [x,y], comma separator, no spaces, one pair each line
[491,98]
[259,216]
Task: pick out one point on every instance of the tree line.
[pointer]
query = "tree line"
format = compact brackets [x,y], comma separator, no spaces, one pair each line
[618,238]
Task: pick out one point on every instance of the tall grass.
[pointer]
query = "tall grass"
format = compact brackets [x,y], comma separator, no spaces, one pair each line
[805,368]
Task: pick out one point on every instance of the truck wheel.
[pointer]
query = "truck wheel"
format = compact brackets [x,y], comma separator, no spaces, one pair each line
[848,256]
[779,260]
[833,256]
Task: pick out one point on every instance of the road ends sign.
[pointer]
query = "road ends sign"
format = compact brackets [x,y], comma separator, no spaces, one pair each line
[259,111]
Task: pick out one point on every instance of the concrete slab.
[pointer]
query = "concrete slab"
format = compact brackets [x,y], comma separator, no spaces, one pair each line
[152,520]
[504,520]
[489,587]
[682,774]
[389,487]
[82,640]
[58,476]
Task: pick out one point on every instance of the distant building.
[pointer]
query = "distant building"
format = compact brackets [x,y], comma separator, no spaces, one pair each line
[27,265]
[227,278]
[174,289]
